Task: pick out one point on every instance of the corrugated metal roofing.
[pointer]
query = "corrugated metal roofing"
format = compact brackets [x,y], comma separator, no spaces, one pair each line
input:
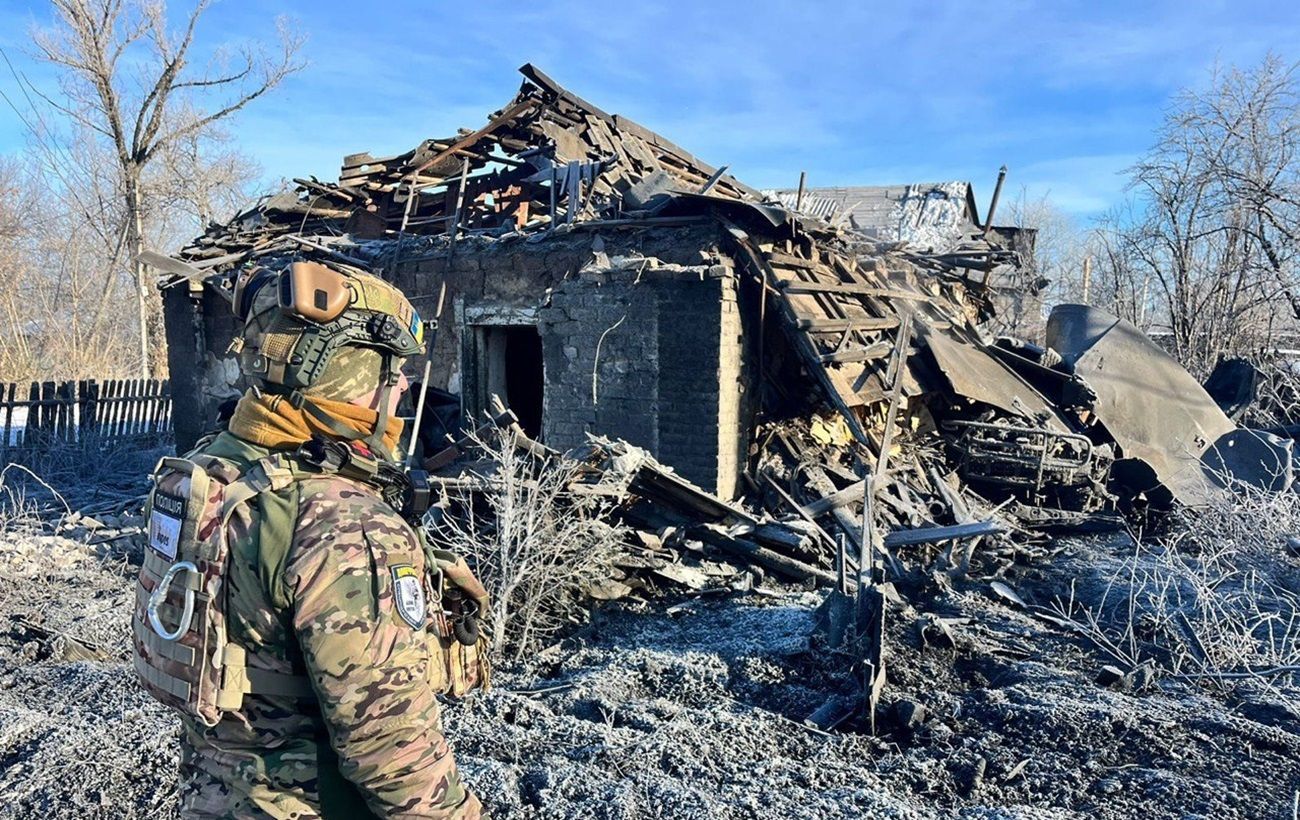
[929,215]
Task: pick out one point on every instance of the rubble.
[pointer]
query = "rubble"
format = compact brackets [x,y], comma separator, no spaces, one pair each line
[886,436]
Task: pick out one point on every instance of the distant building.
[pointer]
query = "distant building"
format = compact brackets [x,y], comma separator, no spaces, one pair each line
[937,217]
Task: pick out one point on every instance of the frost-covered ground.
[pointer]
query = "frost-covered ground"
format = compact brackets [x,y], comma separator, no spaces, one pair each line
[697,713]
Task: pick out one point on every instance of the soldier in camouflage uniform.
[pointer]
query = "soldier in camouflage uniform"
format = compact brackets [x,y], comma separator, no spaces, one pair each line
[319,585]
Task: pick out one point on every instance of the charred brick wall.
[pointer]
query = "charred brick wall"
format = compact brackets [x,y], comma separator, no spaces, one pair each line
[653,357]
[671,366]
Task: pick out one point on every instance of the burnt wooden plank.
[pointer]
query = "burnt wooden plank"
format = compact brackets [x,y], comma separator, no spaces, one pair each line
[856,323]
[847,523]
[929,535]
[835,500]
[775,561]
[88,393]
[871,352]
[45,413]
[64,429]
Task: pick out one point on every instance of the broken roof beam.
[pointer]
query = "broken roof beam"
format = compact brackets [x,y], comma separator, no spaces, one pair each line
[773,560]
[665,150]
[870,353]
[510,113]
[850,288]
[931,535]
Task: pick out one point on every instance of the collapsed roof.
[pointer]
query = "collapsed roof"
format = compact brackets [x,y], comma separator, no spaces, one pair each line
[934,423]
[548,157]
[550,161]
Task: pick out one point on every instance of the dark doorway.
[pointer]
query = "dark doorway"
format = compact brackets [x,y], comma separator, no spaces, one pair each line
[523,360]
[507,362]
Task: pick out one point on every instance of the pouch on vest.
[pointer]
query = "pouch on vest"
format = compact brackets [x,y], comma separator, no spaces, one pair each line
[182,654]
[456,668]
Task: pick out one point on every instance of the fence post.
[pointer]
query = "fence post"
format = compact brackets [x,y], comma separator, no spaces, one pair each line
[114,408]
[164,408]
[88,422]
[155,408]
[133,408]
[7,393]
[39,417]
[33,421]
[67,398]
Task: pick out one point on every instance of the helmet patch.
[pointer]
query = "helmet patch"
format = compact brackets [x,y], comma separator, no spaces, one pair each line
[417,328]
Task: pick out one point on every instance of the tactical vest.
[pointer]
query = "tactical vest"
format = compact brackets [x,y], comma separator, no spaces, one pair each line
[183,655]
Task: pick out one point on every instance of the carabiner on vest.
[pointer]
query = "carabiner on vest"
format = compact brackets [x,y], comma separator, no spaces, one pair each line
[159,594]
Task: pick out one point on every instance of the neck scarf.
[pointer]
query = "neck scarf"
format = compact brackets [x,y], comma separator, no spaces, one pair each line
[272,421]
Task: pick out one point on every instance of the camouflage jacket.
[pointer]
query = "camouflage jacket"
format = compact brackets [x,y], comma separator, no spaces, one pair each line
[312,579]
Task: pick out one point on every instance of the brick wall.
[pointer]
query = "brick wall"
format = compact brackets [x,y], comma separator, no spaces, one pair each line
[670,377]
[665,350]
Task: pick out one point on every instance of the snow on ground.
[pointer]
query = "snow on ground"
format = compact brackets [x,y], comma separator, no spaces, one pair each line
[698,713]
[17,423]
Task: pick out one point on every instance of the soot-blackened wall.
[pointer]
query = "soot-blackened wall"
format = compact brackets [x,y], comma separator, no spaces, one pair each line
[653,357]
[640,333]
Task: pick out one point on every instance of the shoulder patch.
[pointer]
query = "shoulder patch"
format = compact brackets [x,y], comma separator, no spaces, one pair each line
[408,593]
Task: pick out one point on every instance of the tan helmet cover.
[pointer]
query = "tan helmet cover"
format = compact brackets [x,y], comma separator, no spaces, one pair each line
[325,330]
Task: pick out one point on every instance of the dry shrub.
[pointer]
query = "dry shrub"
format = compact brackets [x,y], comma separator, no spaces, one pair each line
[535,543]
[1277,399]
[24,496]
[1213,600]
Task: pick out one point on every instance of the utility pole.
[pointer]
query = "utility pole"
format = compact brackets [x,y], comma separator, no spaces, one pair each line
[1087,276]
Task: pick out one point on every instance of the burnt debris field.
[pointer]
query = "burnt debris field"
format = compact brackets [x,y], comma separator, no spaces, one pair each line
[695,707]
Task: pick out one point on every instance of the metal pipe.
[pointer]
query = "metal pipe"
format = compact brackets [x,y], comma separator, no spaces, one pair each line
[997,192]
[419,413]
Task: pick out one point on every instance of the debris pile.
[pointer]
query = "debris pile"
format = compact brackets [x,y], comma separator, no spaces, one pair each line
[547,158]
[892,433]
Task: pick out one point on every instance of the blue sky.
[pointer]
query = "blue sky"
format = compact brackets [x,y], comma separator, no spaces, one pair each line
[1065,93]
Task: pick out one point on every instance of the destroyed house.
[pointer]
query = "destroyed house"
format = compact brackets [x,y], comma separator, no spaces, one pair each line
[935,217]
[600,279]
[929,216]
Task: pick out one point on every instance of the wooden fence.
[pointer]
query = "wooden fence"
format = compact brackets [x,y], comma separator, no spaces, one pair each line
[88,414]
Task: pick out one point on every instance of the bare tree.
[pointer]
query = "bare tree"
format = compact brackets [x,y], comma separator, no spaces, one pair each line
[127,79]
[56,302]
[1212,244]
[1059,249]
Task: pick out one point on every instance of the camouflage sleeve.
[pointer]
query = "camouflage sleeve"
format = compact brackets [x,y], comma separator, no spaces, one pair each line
[360,599]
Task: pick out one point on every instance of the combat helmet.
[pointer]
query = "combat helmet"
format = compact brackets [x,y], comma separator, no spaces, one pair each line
[297,320]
